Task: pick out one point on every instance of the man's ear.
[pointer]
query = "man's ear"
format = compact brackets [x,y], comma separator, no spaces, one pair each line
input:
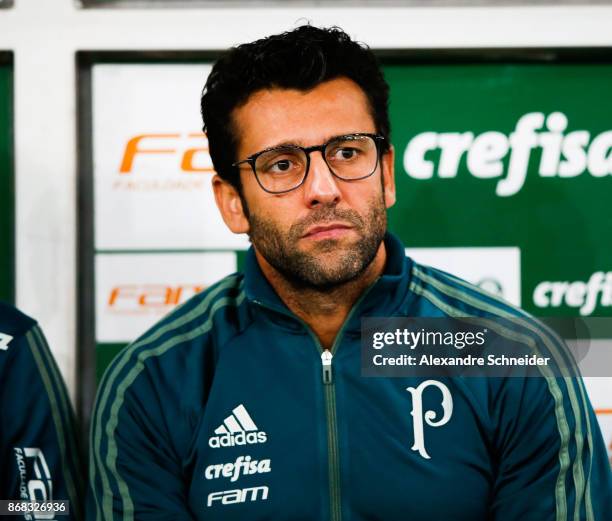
[230,205]
[388,176]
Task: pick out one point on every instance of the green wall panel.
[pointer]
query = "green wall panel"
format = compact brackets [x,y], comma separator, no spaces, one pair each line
[7,203]
[562,225]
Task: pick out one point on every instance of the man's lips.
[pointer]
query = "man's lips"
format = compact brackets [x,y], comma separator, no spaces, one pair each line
[327,231]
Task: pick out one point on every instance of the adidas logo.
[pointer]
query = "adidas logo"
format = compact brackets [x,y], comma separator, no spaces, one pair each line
[237,429]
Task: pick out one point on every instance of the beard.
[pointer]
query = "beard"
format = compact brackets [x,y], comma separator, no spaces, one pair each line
[329,263]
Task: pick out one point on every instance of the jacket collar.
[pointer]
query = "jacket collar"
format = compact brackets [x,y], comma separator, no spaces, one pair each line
[383,298]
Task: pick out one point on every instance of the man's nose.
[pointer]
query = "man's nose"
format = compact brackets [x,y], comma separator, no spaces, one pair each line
[320,186]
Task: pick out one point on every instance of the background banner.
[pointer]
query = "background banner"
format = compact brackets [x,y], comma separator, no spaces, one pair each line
[503,173]
[512,154]
[152,170]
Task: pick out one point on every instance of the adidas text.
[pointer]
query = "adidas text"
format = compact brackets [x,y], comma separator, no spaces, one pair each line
[242,438]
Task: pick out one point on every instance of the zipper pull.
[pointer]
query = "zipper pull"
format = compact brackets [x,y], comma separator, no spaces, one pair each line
[326,360]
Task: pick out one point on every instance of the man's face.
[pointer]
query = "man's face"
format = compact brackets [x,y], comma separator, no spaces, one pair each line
[327,231]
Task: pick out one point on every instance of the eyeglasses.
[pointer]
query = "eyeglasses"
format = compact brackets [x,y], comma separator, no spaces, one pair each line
[350,157]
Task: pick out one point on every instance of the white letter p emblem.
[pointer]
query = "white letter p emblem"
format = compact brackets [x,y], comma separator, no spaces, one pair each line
[430,416]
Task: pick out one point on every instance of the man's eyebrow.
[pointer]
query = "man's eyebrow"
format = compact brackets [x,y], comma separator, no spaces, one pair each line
[300,143]
[294,143]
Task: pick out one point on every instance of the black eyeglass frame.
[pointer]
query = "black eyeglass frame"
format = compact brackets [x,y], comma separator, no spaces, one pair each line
[378,141]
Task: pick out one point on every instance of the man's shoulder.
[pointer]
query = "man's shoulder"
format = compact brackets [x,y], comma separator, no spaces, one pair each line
[169,367]
[185,333]
[450,296]
[14,322]
[196,315]
[454,296]
[14,328]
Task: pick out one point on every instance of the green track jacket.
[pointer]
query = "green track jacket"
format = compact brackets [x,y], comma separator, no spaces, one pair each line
[229,409]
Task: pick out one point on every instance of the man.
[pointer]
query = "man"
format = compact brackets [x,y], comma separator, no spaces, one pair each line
[39,459]
[248,402]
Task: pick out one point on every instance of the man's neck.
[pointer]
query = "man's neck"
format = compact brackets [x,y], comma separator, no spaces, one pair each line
[323,311]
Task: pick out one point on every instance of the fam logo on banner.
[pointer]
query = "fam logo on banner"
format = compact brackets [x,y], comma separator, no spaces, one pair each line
[496,270]
[133,291]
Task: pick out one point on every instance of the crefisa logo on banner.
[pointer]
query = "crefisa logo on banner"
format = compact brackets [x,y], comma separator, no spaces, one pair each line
[584,295]
[562,155]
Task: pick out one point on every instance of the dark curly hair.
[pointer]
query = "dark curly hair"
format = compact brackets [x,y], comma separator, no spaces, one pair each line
[298,59]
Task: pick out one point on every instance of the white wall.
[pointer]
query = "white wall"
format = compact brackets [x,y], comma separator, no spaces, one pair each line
[45,35]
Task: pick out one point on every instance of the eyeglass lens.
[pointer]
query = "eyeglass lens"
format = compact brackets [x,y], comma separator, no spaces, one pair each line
[284,168]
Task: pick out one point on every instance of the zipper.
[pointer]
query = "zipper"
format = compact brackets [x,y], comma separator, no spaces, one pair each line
[329,392]
[326,362]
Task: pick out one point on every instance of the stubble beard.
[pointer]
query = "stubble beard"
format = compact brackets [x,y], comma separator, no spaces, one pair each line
[328,263]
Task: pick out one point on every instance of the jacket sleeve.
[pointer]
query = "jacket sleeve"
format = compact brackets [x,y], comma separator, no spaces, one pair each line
[38,451]
[553,464]
[135,471]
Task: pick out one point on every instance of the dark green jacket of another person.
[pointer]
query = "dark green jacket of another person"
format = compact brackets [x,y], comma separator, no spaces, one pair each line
[39,459]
